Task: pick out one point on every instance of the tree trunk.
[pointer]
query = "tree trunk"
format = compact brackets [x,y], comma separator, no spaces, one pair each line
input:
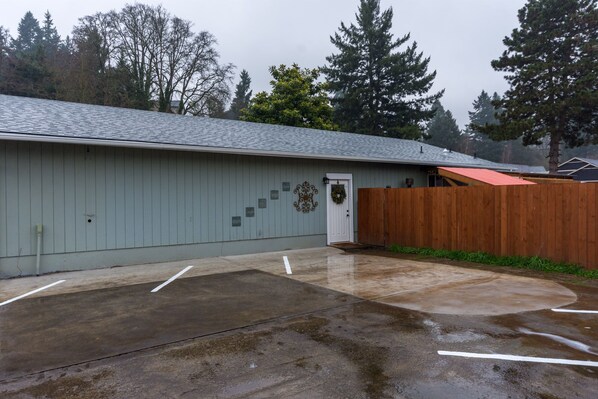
[554,152]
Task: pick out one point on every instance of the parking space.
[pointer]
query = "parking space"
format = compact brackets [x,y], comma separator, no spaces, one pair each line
[318,323]
[62,330]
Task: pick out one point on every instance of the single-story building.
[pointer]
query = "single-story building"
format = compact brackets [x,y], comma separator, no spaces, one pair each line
[581,169]
[94,186]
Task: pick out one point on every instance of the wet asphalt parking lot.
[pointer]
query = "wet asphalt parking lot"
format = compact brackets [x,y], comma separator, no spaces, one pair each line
[341,325]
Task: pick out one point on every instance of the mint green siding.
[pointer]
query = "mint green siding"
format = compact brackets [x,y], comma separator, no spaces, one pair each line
[147,198]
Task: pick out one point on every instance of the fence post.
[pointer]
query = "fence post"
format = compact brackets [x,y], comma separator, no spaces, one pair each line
[504,225]
[385,215]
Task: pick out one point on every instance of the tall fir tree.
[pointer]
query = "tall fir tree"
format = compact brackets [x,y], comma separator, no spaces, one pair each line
[443,130]
[377,88]
[29,73]
[483,115]
[242,96]
[4,54]
[484,112]
[49,37]
[28,35]
[551,64]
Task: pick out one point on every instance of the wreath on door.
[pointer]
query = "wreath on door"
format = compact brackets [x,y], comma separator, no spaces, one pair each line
[338,193]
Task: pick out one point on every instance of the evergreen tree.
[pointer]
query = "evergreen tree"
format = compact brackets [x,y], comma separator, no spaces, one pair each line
[483,115]
[28,35]
[297,99]
[4,40]
[552,67]
[242,96]
[443,130]
[49,38]
[29,73]
[484,112]
[4,54]
[4,49]
[377,88]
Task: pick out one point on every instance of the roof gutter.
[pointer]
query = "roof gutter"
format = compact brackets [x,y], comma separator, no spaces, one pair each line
[220,150]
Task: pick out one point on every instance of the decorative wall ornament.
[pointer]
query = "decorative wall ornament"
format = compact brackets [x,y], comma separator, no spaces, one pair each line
[306,192]
[338,193]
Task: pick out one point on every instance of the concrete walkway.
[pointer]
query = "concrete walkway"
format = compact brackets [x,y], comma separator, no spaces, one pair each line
[427,287]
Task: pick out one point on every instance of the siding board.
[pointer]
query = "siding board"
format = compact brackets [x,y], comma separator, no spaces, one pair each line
[47,196]
[139,200]
[204,199]
[110,209]
[12,200]
[36,199]
[172,200]
[3,195]
[216,185]
[24,208]
[90,212]
[121,198]
[187,195]
[148,209]
[155,184]
[164,199]
[100,192]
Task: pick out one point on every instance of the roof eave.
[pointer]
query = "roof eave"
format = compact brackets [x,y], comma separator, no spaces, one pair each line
[222,150]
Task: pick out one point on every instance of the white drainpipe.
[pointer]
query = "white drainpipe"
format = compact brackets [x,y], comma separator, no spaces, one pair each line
[38,229]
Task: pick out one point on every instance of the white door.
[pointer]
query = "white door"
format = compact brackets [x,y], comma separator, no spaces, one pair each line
[340,213]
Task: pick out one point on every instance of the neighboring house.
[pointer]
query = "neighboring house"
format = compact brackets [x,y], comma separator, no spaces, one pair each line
[112,186]
[174,106]
[581,169]
[512,167]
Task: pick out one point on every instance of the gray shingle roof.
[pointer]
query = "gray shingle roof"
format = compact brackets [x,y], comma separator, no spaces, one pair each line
[525,168]
[593,162]
[42,120]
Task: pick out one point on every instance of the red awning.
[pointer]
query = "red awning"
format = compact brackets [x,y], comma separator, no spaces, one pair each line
[481,176]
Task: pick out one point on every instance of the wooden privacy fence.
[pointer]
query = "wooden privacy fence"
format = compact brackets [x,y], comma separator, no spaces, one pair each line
[554,221]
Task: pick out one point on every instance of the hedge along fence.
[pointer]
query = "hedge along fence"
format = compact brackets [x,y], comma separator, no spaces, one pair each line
[553,221]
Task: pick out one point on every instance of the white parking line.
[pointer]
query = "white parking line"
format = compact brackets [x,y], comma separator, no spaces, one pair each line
[520,358]
[32,292]
[287,265]
[575,311]
[170,280]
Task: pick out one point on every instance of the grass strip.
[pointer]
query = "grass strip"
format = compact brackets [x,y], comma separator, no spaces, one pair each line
[521,262]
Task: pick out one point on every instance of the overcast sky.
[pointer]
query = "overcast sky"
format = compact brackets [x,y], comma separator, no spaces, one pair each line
[460,36]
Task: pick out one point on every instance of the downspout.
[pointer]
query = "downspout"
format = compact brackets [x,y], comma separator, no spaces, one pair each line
[38,230]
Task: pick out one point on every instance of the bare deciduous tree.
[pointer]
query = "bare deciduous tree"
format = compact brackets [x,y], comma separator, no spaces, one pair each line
[186,65]
[134,26]
[167,61]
